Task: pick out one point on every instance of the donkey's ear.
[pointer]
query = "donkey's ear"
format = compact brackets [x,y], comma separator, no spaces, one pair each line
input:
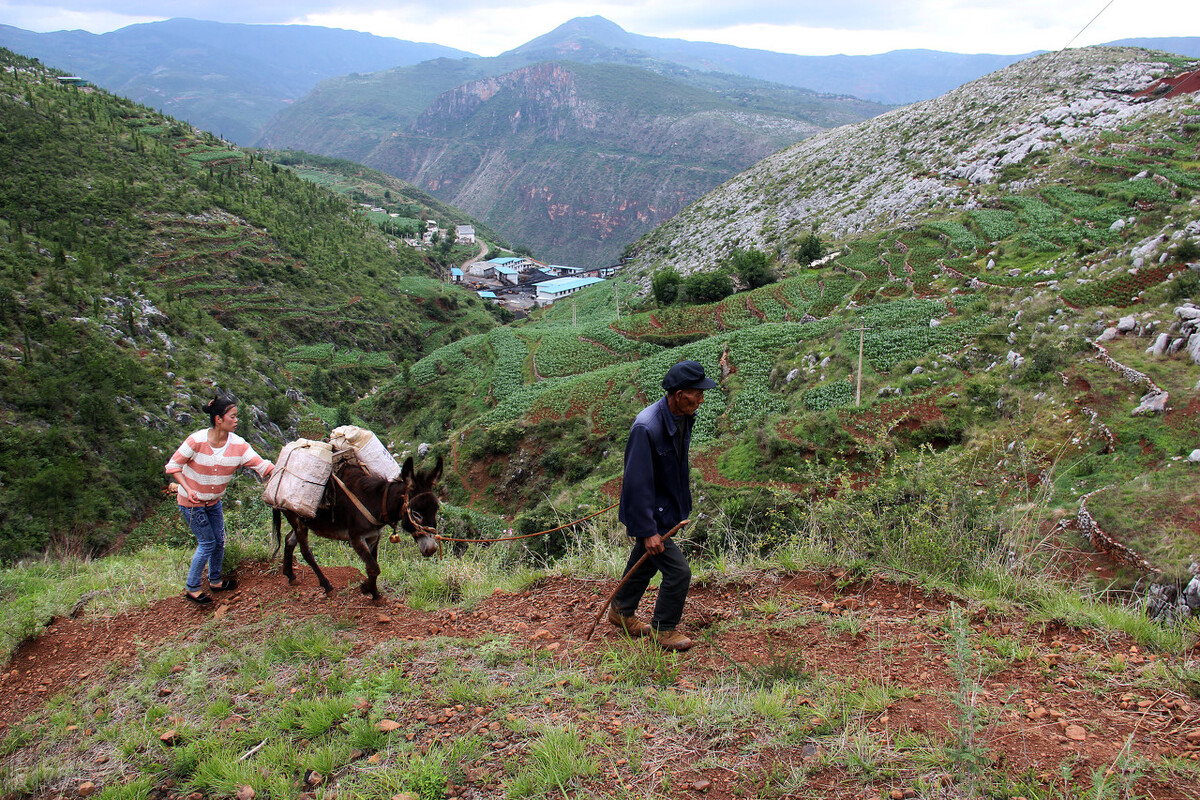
[406,472]
[436,472]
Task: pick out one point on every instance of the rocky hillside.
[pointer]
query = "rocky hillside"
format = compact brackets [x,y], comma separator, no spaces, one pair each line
[1009,298]
[1021,128]
[572,160]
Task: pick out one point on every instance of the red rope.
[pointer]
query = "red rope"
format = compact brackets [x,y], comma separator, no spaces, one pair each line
[528,535]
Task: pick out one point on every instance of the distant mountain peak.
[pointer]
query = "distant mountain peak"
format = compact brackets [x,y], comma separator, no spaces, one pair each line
[571,34]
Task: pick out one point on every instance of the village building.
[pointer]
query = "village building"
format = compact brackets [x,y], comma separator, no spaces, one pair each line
[507,274]
[556,289]
[465,234]
[490,296]
[456,275]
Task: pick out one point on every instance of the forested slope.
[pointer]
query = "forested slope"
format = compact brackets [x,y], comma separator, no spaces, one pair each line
[142,264]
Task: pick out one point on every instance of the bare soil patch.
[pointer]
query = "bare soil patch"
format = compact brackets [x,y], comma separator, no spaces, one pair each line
[1072,697]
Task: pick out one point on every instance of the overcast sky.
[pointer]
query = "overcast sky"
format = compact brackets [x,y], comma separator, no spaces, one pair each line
[807,27]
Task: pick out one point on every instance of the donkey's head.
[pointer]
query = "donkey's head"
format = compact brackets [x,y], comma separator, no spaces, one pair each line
[420,515]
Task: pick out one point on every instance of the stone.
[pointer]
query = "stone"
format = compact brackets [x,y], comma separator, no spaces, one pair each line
[1014,358]
[1193,347]
[1160,345]
[1126,324]
[918,370]
[701,785]
[245,793]
[1187,312]
[1152,403]
[933,323]
[1075,733]
[1194,456]
[86,789]
[1108,335]
[792,375]
[1119,225]
[170,737]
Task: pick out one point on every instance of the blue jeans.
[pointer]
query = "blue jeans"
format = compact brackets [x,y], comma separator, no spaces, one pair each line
[208,526]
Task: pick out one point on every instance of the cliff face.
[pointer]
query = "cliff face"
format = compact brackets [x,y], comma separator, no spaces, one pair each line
[573,160]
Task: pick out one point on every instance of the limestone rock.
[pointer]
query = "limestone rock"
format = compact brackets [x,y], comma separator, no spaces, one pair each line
[1160,345]
[1193,347]
[1108,335]
[1152,403]
[1126,324]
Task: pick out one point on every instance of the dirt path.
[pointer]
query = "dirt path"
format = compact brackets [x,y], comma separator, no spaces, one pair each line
[1048,707]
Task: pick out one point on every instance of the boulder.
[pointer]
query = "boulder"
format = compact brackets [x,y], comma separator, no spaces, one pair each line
[1160,345]
[1014,358]
[1194,456]
[1193,347]
[792,375]
[1152,403]
[1108,335]
[1187,312]
[933,323]
[1126,324]
[1117,226]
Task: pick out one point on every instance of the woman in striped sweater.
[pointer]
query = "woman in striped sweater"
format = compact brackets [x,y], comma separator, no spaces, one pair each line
[202,468]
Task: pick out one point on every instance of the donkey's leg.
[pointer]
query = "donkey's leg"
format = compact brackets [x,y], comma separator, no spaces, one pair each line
[289,550]
[367,554]
[302,538]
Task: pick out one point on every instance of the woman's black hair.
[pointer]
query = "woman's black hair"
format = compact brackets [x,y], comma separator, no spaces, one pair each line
[218,406]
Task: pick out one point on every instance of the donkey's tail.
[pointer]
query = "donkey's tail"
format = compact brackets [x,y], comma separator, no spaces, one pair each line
[277,518]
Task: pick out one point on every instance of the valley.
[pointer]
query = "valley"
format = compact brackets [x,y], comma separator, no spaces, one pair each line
[945,521]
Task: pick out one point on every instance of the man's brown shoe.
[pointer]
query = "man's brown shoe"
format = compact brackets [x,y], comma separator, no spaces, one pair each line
[630,624]
[671,640]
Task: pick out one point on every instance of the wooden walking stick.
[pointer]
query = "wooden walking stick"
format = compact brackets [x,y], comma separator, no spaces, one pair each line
[624,580]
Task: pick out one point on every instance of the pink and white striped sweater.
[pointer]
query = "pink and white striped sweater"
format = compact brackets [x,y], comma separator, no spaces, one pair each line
[206,471]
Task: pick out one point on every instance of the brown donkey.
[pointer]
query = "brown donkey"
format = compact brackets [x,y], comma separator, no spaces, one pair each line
[408,501]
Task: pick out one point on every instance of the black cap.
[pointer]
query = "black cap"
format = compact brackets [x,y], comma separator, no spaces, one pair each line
[687,375]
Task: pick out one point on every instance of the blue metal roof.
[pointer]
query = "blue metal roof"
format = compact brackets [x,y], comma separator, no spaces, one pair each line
[505,260]
[566,284]
[488,295]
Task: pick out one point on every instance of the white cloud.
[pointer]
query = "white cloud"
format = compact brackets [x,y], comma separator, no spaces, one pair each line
[815,27]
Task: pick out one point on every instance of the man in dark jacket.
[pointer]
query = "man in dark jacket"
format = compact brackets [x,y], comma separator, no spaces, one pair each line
[656,496]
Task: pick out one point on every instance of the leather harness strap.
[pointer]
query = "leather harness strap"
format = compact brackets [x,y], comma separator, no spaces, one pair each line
[363,509]
[404,512]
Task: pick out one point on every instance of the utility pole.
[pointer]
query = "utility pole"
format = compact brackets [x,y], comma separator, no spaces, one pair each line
[617,295]
[572,313]
[858,387]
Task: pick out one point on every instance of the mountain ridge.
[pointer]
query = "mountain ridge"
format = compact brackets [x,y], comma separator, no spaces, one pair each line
[525,150]
[228,78]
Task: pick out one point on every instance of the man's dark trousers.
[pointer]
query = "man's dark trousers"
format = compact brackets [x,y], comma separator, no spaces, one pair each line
[672,591]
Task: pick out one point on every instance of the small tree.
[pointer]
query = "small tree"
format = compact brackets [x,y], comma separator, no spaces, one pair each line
[707,287]
[753,267]
[810,250]
[665,285]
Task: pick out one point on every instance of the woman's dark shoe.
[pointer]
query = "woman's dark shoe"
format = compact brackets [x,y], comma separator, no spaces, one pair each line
[226,585]
[200,600]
